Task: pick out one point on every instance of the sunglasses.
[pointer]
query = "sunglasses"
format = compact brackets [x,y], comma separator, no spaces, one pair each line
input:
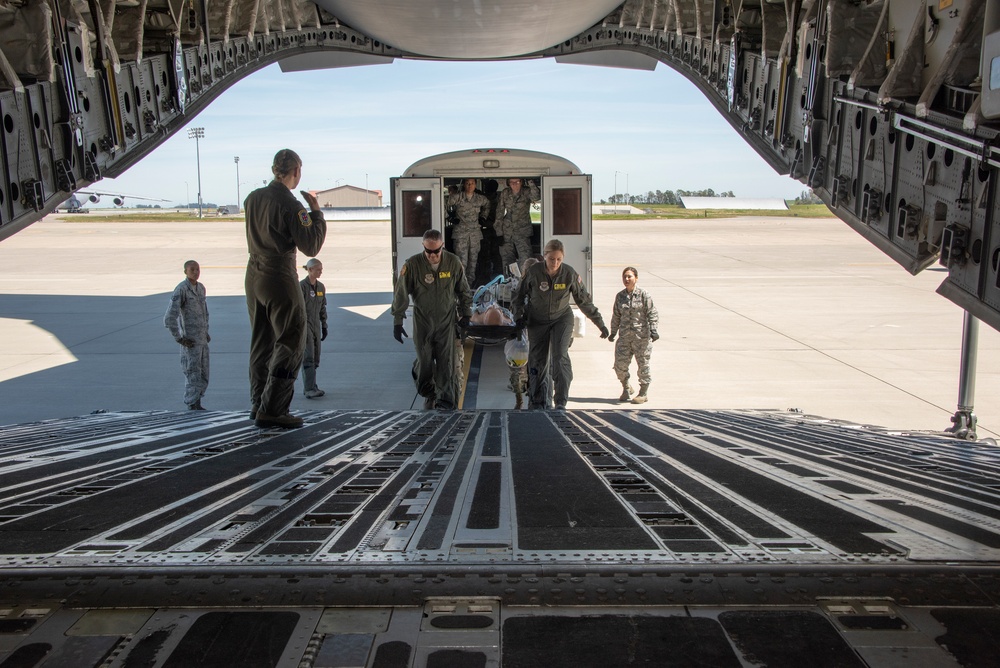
[433,251]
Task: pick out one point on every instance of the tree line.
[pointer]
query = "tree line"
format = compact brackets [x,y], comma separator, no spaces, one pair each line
[674,197]
[663,196]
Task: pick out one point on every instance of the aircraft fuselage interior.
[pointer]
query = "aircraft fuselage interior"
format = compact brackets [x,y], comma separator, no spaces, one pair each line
[398,539]
[887,110]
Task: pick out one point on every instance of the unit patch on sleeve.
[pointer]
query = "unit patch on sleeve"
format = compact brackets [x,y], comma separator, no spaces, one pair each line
[304,218]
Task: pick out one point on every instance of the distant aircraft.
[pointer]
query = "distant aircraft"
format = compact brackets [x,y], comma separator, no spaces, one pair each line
[75,205]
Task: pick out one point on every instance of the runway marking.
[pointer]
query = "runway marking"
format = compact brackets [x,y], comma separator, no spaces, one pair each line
[370,311]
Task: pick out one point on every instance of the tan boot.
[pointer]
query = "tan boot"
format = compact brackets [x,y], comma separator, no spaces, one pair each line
[627,391]
[641,397]
[518,401]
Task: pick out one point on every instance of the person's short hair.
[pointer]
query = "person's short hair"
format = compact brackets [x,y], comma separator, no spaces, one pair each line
[311,263]
[285,162]
[635,272]
[189,263]
[515,178]
[527,263]
[554,245]
[432,235]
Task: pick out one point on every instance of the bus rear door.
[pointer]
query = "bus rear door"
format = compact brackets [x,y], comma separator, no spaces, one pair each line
[566,215]
[417,205]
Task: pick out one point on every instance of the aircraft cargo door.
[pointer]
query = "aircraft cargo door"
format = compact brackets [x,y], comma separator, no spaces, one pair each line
[566,215]
[417,206]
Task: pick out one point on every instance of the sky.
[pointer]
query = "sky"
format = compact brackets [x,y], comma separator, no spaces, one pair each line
[638,130]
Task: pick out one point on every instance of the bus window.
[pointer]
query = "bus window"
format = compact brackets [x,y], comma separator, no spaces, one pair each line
[416,212]
[566,212]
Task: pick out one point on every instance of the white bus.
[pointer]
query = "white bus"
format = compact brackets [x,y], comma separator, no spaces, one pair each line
[419,196]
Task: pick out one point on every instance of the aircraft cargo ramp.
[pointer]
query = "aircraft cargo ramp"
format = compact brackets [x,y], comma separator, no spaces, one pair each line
[495,538]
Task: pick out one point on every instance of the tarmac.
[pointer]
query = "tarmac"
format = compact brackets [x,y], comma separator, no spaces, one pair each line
[756,313]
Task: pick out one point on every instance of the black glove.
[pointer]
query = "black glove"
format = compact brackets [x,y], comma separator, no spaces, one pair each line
[464,321]
[398,333]
[323,338]
[653,335]
[604,332]
[521,323]
[187,343]
[500,240]
[611,338]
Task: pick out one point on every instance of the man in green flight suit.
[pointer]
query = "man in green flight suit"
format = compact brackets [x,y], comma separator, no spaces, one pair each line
[436,281]
[277,224]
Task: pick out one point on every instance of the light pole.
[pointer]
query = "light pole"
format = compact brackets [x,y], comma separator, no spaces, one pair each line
[616,188]
[236,159]
[367,200]
[626,185]
[196,134]
[187,195]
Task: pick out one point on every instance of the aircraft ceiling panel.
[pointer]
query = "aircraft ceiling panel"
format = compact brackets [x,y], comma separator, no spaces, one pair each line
[623,59]
[330,60]
[470,29]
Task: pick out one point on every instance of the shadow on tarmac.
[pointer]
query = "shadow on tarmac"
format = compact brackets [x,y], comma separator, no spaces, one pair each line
[125,360]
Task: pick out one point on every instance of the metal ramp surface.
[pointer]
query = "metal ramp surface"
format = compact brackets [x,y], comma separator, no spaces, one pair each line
[489,538]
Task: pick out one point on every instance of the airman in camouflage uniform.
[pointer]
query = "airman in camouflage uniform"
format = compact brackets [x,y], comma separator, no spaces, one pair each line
[470,206]
[187,320]
[314,296]
[519,374]
[513,220]
[635,318]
